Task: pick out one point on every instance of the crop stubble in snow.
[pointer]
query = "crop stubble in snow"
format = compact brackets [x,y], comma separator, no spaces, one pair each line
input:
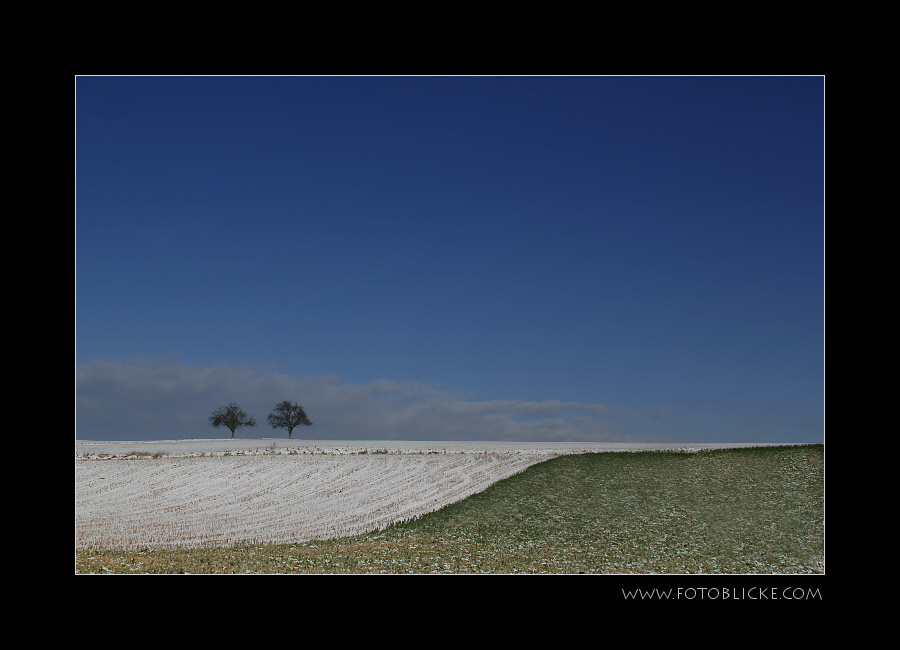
[259,499]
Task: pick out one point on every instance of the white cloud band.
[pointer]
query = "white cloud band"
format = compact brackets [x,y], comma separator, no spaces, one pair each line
[145,399]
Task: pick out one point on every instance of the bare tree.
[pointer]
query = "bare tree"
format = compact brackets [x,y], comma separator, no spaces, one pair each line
[287,416]
[232,417]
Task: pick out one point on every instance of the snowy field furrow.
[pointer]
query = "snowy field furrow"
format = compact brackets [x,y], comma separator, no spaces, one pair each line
[226,492]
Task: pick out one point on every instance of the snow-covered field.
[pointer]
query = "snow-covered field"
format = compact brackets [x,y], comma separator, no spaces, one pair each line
[192,493]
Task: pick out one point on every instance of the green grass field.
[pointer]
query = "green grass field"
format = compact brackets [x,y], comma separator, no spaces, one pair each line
[733,511]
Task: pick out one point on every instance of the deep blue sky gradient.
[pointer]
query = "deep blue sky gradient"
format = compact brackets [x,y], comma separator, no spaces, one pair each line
[649,243]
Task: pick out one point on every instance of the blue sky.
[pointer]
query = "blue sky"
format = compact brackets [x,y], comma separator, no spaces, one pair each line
[523,258]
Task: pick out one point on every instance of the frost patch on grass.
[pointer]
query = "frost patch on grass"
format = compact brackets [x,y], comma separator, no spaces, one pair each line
[260,499]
